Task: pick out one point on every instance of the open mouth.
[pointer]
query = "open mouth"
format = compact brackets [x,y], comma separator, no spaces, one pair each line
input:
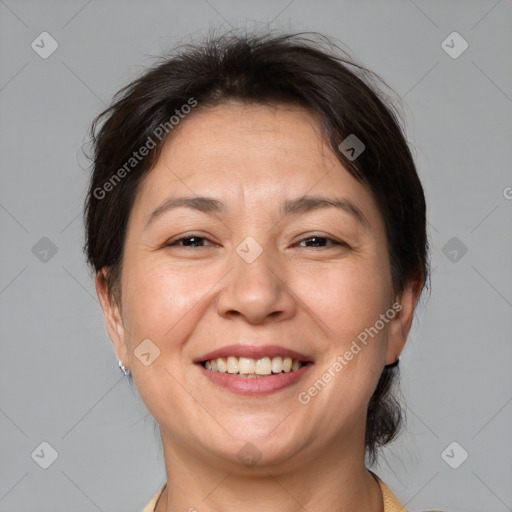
[247,367]
[254,370]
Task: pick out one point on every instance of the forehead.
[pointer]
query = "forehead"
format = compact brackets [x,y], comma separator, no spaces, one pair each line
[234,134]
[255,154]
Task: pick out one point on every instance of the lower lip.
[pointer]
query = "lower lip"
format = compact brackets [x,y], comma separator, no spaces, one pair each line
[255,386]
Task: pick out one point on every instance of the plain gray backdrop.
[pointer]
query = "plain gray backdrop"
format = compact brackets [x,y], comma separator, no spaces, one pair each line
[59,380]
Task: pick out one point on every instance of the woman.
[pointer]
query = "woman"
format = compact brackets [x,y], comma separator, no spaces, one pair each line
[258,232]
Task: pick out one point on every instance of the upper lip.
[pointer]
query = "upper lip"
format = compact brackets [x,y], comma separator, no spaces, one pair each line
[253,352]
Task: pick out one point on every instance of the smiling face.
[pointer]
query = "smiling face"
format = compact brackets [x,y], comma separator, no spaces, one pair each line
[253,265]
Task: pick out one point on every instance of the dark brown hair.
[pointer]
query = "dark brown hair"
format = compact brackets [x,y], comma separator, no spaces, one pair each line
[305,69]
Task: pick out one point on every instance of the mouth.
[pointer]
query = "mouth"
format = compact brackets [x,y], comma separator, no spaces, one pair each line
[250,370]
[247,367]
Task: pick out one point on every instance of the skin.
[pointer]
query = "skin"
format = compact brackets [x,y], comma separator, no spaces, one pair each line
[189,300]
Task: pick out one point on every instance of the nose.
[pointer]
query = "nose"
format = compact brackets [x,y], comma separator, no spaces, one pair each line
[257,291]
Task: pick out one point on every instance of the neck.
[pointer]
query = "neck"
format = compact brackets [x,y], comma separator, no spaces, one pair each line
[329,482]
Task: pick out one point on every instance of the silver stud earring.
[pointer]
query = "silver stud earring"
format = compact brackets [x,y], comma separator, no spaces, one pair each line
[126,372]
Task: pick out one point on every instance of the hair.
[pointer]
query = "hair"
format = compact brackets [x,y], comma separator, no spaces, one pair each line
[305,69]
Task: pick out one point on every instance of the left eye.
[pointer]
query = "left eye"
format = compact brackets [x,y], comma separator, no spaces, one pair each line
[320,240]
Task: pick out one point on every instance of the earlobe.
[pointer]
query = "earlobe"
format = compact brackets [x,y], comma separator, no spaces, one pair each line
[112,315]
[400,326]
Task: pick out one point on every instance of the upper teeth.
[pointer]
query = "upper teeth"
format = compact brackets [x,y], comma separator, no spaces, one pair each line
[246,365]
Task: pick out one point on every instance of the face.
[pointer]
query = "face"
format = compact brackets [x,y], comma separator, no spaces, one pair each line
[260,272]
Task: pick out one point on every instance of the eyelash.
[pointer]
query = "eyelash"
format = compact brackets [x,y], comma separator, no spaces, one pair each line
[174,243]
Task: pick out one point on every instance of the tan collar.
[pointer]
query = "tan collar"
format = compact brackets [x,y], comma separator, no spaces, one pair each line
[150,507]
[391,504]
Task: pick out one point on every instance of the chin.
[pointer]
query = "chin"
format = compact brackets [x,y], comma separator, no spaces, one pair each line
[255,441]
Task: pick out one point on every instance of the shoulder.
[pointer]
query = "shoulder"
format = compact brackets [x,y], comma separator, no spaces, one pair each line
[150,507]
[391,503]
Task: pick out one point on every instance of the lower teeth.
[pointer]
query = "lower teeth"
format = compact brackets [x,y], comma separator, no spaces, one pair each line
[254,375]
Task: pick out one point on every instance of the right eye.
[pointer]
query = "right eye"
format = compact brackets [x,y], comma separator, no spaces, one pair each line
[195,240]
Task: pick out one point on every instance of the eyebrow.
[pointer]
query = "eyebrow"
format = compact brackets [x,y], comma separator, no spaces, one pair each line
[303,204]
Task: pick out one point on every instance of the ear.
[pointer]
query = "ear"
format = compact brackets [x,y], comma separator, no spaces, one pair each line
[112,314]
[400,325]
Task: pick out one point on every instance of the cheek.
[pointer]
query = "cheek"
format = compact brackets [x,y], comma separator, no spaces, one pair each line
[163,305]
[347,297]
[161,301]
[348,300]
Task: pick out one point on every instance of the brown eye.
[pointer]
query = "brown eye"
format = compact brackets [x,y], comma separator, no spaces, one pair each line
[322,241]
[188,241]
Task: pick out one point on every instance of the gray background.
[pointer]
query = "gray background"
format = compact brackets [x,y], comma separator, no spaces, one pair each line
[59,380]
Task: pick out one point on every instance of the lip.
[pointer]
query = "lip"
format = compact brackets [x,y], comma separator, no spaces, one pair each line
[257,386]
[253,352]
